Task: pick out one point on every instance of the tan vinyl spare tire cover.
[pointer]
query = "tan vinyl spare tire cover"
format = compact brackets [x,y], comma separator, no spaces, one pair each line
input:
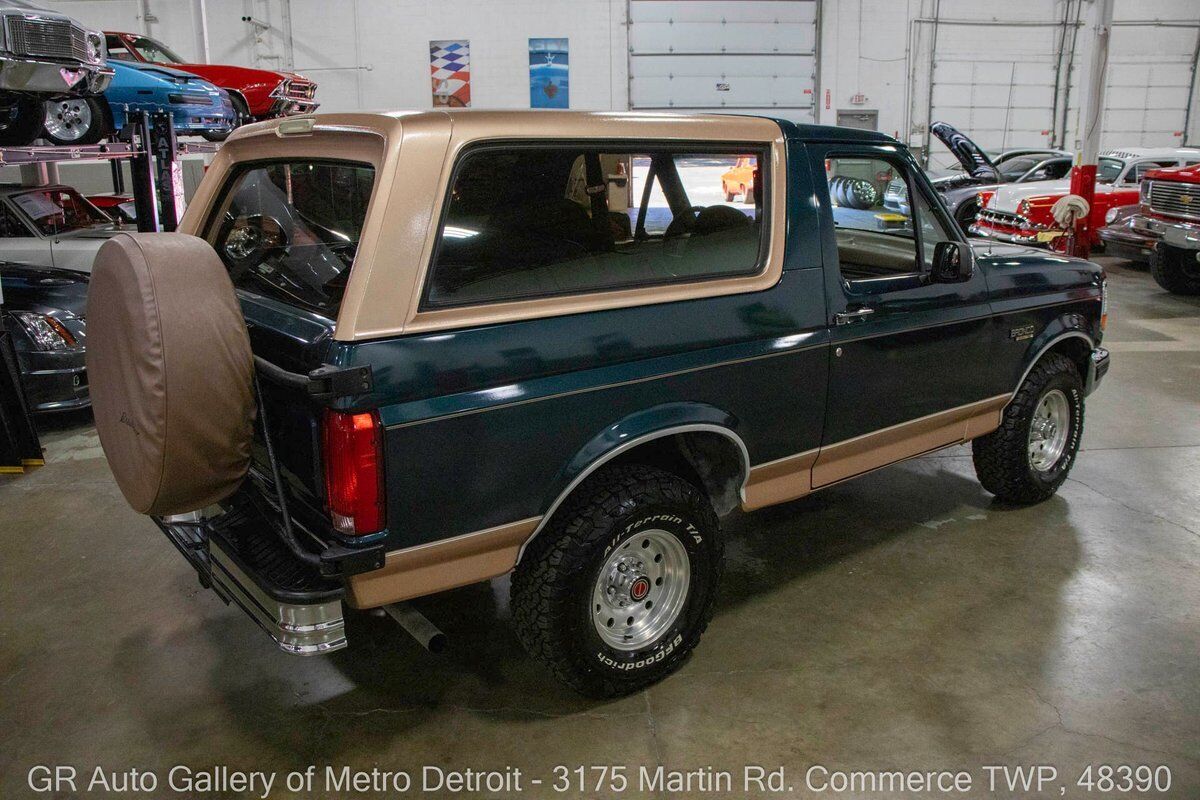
[170,370]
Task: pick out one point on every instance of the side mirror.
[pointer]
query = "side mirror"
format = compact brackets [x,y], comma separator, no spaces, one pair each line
[951,263]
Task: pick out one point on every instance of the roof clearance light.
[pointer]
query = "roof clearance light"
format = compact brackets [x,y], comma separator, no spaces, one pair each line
[296,126]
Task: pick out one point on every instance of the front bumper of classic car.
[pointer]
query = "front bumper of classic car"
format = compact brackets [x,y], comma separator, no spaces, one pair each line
[1005,226]
[1137,236]
[54,381]
[50,77]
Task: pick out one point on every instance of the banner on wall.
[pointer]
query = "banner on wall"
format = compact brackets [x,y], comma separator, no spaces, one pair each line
[548,72]
[450,73]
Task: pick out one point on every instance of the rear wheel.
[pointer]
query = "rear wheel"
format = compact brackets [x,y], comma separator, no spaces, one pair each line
[75,120]
[729,196]
[1176,269]
[1028,457]
[20,120]
[619,588]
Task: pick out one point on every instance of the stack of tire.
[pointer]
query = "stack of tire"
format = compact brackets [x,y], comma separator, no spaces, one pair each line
[853,192]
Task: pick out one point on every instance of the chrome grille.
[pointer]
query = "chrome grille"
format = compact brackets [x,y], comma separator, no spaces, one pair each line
[301,91]
[47,38]
[1175,199]
[1001,218]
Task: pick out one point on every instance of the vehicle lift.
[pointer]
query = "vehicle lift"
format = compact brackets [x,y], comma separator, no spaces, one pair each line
[150,145]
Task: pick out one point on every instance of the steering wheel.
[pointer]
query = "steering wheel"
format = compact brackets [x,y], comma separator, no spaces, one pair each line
[250,239]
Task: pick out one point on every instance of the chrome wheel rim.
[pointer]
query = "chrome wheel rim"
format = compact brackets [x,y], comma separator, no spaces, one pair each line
[1048,430]
[641,590]
[68,120]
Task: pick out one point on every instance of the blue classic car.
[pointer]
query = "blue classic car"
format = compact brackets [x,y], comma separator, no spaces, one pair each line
[196,105]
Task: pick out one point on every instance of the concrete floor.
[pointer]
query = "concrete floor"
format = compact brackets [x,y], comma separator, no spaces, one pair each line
[902,621]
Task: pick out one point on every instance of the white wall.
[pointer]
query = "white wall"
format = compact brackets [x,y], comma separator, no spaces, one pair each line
[373,54]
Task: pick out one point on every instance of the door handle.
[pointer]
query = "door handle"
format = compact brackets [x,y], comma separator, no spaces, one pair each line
[857,315]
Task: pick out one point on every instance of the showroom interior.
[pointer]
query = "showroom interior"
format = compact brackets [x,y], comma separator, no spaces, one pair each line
[876,323]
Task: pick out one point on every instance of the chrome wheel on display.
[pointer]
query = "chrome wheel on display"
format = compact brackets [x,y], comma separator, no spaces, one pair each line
[641,590]
[68,120]
[1048,430]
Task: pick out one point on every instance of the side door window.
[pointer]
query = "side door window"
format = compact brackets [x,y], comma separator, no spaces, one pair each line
[877,241]
[10,226]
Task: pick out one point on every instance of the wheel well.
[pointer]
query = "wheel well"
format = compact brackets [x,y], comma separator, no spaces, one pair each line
[711,461]
[1077,349]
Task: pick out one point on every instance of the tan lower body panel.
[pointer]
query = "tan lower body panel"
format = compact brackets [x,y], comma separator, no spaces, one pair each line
[843,460]
[473,557]
[795,476]
[435,567]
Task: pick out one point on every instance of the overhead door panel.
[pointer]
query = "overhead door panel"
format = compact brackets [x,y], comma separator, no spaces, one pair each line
[755,56]
[1149,76]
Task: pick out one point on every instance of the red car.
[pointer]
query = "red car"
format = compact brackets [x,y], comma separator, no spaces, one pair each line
[256,93]
[1021,212]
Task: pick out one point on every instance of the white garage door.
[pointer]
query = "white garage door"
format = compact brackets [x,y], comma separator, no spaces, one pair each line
[748,56]
[992,81]
[1149,76]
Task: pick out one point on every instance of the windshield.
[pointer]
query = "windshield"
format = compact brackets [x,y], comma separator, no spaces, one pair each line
[1014,168]
[290,229]
[1107,169]
[153,51]
[55,211]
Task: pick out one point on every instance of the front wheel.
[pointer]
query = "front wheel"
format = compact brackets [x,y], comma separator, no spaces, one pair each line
[1175,269]
[616,592]
[1028,457]
[74,120]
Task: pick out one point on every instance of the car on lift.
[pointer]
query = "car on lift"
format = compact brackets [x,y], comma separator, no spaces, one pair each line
[44,311]
[1021,213]
[981,172]
[464,368]
[196,106]
[51,225]
[256,94]
[44,57]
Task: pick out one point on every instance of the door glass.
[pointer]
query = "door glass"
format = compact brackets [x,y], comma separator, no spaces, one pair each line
[876,216]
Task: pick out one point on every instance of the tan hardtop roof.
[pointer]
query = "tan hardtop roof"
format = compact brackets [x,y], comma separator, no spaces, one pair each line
[486,123]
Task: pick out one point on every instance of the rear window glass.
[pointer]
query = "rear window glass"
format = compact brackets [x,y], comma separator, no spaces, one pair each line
[290,229]
[533,221]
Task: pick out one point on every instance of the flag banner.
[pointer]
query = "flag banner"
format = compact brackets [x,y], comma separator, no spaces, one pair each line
[548,69]
[450,72]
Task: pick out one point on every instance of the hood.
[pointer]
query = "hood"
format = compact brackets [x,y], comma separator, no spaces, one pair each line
[1009,195]
[33,288]
[235,77]
[1188,174]
[156,70]
[974,161]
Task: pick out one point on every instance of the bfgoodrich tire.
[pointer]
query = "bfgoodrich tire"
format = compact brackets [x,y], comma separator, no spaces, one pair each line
[1175,269]
[1029,456]
[584,596]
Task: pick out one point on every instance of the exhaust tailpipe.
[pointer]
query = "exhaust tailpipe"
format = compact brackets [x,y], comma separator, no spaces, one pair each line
[418,626]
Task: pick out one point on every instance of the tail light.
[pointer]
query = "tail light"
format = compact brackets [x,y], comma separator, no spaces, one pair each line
[352,447]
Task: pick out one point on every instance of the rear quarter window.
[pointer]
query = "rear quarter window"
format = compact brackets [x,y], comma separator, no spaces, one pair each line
[290,229]
[526,222]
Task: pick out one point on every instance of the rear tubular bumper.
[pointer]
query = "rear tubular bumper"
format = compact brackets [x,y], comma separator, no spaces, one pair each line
[236,555]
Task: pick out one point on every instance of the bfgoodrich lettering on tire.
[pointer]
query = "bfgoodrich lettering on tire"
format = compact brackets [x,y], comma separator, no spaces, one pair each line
[1028,457]
[620,586]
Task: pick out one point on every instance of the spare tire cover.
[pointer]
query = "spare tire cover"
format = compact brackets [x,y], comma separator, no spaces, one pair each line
[170,371]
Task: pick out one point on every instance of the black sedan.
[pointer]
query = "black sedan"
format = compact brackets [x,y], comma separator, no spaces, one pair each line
[44,312]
